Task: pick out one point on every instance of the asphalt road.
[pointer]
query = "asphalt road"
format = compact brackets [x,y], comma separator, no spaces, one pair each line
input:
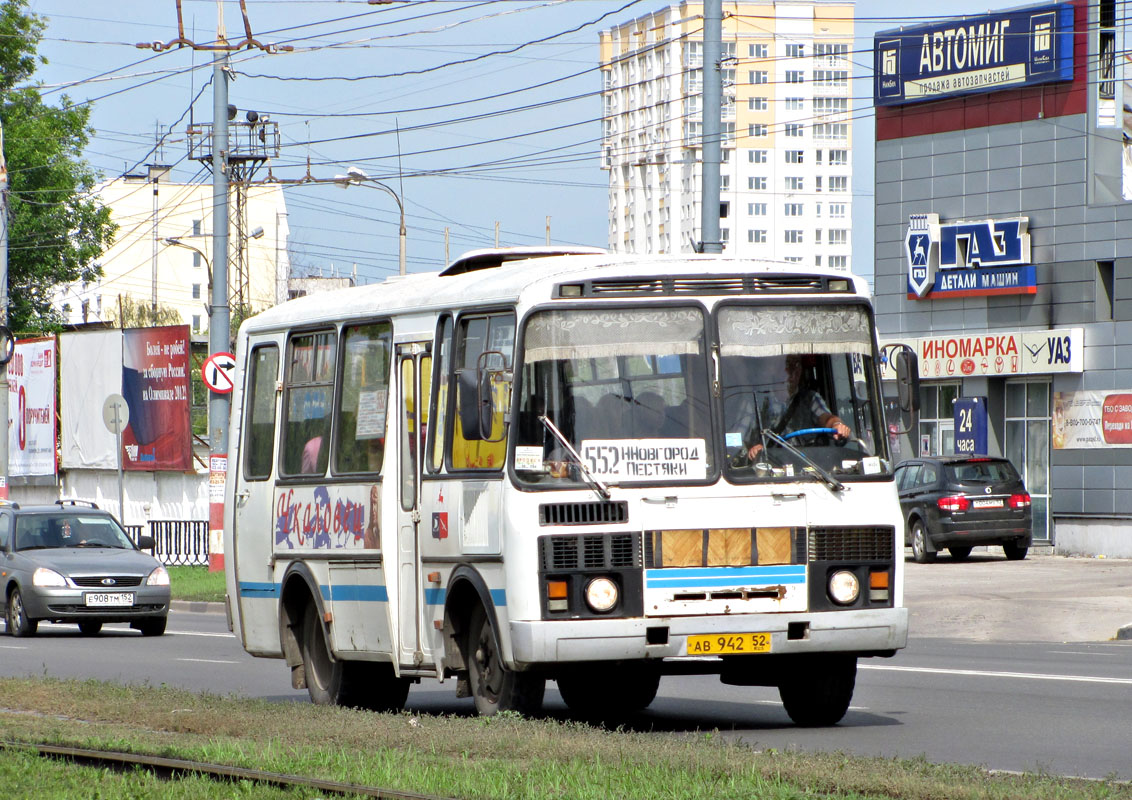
[989,678]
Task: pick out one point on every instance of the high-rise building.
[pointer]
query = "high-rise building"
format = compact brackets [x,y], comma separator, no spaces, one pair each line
[785,175]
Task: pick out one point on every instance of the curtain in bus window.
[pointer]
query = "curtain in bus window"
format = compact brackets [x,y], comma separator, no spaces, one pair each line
[259,438]
[440,397]
[780,330]
[558,336]
[309,392]
[360,432]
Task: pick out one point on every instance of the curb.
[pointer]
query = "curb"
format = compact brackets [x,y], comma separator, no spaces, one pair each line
[196,606]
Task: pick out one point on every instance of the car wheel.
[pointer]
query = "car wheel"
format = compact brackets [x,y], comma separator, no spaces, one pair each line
[151,627]
[959,553]
[920,544]
[17,618]
[1015,552]
[90,627]
[610,694]
[818,692]
[494,687]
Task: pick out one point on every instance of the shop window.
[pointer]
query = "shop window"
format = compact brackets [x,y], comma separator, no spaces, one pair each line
[937,421]
[1027,445]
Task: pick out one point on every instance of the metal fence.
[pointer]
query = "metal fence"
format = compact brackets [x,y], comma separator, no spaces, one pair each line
[176,542]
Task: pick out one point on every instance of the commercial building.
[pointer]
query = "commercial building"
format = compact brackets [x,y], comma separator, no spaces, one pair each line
[1004,250]
[141,268]
[786,138]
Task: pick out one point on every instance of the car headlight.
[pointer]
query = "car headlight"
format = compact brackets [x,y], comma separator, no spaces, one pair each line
[844,587]
[159,577]
[601,595]
[47,577]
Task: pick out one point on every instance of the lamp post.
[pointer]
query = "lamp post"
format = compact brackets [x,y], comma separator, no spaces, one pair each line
[360,178]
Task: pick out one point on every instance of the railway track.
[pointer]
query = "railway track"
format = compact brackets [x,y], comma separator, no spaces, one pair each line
[172,768]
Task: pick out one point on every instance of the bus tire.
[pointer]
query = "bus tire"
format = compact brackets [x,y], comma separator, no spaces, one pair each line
[358,684]
[617,691]
[493,686]
[817,693]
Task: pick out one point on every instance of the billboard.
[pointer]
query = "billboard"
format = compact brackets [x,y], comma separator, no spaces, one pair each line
[31,408]
[156,385]
[1089,420]
[997,353]
[968,55]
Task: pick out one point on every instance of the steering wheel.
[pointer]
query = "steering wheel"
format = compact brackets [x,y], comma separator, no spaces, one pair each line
[809,432]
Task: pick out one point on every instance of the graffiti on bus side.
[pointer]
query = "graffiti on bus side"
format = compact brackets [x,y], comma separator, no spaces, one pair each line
[315,519]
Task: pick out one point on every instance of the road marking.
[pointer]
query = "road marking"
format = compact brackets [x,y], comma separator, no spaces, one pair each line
[1033,676]
[209,660]
[202,633]
[12,647]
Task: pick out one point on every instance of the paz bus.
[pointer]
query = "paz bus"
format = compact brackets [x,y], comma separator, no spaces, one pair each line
[567,465]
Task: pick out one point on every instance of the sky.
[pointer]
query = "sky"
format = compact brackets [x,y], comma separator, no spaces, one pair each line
[480,115]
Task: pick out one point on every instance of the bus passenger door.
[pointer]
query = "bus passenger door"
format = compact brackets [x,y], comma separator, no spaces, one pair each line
[413,377]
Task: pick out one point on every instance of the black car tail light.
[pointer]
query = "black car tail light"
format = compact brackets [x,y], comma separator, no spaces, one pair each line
[1020,500]
[953,502]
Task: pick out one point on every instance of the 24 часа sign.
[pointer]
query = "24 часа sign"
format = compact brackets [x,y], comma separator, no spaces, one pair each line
[974,54]
[968,259]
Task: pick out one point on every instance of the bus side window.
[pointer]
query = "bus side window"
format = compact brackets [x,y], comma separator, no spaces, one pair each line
[360,429]
[308,392]
[259,429]
[439,398]
[494,332]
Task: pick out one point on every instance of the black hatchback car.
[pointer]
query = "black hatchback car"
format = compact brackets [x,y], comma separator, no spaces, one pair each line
[959,502]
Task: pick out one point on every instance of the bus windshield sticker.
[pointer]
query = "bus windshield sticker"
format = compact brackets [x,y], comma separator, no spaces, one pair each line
[646,459]
[528,458]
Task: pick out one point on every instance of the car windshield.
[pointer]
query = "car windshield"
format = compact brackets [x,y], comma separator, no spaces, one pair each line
[65,530]
[982,472]
[627,388]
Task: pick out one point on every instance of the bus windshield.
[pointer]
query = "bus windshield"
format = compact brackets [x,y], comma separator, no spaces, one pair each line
[627,387]
[630,390]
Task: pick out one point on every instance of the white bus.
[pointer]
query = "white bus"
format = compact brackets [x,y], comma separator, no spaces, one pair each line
[573,466]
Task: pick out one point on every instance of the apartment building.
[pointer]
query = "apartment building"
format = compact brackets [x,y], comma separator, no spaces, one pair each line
[141,265]
[785,177]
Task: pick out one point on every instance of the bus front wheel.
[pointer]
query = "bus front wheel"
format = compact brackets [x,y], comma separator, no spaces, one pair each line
[818,692]
[610,693]
[360,684]
[494,687]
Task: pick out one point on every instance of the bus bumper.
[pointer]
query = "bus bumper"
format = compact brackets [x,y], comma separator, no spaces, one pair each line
[872,631]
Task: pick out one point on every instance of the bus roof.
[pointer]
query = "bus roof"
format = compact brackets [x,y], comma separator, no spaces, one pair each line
[504,278]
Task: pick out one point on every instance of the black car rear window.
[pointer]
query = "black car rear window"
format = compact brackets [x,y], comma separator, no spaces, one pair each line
[982,472]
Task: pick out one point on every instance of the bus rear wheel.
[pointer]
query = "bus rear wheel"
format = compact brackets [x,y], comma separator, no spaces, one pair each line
[494,687]
[610,693]
[817,692]
[359,684]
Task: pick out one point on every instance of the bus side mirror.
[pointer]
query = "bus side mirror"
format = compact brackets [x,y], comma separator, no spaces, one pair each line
[907,380]
[475,404]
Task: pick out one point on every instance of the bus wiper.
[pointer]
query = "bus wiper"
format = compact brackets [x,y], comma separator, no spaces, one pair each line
[595,482]
[830,481]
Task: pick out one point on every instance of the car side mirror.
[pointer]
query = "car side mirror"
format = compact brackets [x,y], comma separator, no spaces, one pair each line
[146,543]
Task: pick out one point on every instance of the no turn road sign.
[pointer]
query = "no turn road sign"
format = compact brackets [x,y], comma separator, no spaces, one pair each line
[216,372]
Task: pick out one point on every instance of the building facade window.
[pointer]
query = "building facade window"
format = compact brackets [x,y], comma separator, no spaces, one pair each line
[795,76]
[757,130]
[795,183]
[795,104]
[839,183]
[838,236]
[838,158]
[792,236]
[756,236]
[757,183]
[793,209]
[794,129]
[756,156]
[756,77]
[757,51]
[794,156]
[756,209]
[757,104]
[795,51]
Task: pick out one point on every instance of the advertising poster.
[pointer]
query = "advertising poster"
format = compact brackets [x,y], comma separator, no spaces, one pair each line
[31,407]
[1088,420]
[156,385]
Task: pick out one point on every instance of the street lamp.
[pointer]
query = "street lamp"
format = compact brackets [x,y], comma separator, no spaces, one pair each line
[175,241]
[356,176]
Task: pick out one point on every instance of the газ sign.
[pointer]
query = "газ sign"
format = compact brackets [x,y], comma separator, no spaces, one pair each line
[968,259]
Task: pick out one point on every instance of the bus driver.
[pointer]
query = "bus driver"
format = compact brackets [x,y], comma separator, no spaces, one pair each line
[806,408]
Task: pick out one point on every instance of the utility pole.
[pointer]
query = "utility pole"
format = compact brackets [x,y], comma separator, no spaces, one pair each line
[710,146]
[4,312]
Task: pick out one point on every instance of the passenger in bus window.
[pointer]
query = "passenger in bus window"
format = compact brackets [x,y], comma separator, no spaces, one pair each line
[311,455]
[805,408]
[648,415]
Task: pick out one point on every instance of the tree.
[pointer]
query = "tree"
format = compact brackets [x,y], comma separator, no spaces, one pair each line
[56,228]
[138,314]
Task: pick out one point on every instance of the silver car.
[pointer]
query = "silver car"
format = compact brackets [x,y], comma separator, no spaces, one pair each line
[72,562]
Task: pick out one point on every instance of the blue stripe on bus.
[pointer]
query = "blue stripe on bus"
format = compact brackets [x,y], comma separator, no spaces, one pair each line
[436,597]
[360,594]
[724,576]
[255,589]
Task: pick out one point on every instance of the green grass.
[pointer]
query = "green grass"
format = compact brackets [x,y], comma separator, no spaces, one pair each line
[502,757]
[196,584]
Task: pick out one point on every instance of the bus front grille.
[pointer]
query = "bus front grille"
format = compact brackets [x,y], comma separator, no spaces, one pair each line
[590,551]
[873,543]
[583,513]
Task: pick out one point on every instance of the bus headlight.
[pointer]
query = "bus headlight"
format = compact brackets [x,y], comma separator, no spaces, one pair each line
[844,588]
[601,595]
